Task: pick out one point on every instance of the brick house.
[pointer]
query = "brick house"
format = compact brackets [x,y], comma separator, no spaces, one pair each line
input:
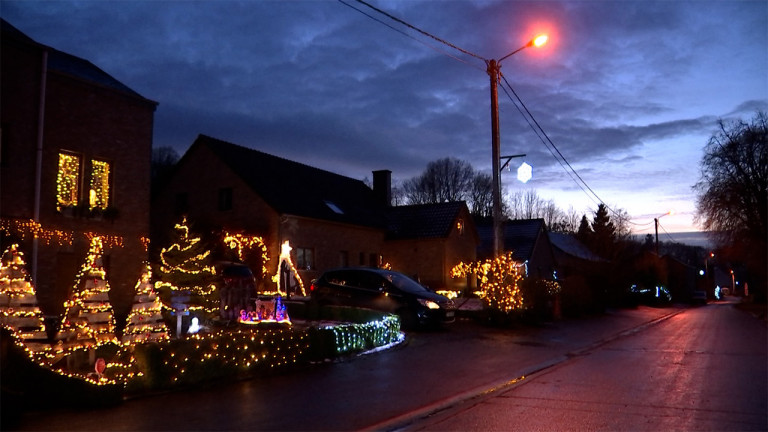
[330,220]
[428,240]
[75,162]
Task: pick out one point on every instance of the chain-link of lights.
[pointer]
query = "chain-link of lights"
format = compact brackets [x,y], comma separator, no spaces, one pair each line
[498,280]
[350,338]
[19,310]
[184,272]
[67,181]
[88,318]
[285,257]
[145,322]
[98,195]
[242,243]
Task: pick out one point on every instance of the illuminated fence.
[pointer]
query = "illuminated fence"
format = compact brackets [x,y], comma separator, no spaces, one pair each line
[350,338]
[235,352]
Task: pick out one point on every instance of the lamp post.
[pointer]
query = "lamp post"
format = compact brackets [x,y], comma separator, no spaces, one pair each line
[656,224]
[493,69]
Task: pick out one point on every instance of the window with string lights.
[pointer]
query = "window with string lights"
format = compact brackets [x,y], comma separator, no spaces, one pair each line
[68,180]
[100,182]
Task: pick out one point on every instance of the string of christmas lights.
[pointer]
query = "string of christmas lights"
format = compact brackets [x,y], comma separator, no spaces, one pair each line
[498,280]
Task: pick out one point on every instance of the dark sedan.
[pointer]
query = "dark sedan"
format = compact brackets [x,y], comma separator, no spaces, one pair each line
[384,290]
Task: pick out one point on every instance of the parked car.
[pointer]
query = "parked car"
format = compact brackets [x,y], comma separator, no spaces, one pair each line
[386,291]
[656,296]
[699,297]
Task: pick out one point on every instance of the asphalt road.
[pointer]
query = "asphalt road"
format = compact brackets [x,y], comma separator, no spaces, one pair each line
[703,369]
[456,378]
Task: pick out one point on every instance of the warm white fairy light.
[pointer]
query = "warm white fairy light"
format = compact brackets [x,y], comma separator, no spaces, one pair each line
[285,257]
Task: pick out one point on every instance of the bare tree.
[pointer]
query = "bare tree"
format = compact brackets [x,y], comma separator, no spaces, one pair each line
[447,179]
[529,205]
[163,160]
[481,195]
[732,192]
[568,222]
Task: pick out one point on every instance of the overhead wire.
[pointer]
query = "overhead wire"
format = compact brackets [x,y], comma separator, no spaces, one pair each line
[410,36]
[536,132]
[665,231]
[411,26]
[546,140]
[530,115]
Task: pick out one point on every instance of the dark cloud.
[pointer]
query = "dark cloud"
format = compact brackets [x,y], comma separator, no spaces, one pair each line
[619,85]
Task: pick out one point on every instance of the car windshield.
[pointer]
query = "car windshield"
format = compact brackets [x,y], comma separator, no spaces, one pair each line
[405,283]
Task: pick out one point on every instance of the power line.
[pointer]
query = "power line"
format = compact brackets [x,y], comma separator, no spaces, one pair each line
[552,143]
[581,183]
[410,37]
[442,41]
[665,231]
[581,180]
[546,145]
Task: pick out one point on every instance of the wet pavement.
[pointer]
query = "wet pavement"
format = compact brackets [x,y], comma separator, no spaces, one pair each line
[431,372]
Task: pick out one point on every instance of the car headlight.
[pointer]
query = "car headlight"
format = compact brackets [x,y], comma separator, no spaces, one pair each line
[429,304]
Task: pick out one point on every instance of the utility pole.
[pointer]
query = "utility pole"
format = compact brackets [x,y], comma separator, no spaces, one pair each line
[656,224]
[493,73]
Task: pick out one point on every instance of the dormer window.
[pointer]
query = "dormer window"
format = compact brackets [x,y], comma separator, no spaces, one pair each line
[334,207]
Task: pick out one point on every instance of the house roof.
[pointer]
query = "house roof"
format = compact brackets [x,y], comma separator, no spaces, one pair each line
[423,220]
[69,64]
[519,237]
[296,189]
[568,244]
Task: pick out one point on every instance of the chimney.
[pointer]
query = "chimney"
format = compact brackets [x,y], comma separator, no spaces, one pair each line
[382,187]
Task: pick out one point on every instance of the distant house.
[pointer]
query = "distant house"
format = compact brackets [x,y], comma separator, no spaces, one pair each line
[75,162]
[528,241]
[428,240]
[328,219]
[572,256]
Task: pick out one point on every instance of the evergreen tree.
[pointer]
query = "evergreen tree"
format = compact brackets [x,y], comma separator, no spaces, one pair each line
[584,234]
[604,232]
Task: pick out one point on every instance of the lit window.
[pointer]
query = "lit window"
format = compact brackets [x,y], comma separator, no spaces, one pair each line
[98,196]
[460,226]
[67,181]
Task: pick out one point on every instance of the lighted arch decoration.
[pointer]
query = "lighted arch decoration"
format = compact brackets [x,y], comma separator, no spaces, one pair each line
[242,242]
[285,257]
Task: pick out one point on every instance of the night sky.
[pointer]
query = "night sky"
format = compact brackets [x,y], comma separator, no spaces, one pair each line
[628,91]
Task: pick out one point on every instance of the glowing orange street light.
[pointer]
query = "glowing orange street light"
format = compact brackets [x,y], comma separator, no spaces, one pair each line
[493,70]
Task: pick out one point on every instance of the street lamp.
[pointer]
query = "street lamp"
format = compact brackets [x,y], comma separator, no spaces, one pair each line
[493,70]
[656,223]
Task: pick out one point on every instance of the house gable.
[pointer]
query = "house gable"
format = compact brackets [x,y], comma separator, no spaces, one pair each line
[292,188]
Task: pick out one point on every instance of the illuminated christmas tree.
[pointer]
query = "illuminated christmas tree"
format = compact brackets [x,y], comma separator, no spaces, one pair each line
[185,276]
[145,322]
[89,319]
[18,302]
[498,280]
